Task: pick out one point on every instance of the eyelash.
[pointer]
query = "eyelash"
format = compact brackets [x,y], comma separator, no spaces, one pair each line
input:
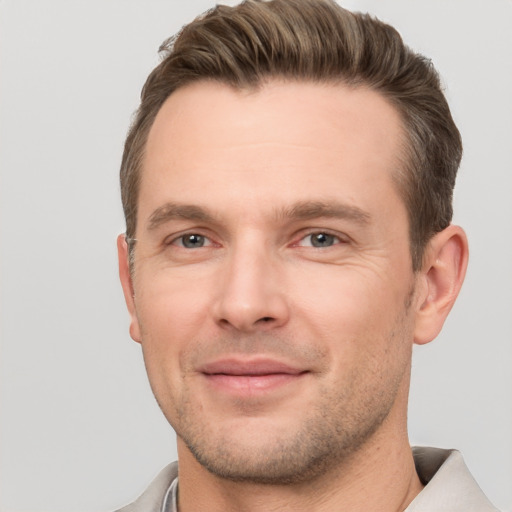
[335,238]
[179,240]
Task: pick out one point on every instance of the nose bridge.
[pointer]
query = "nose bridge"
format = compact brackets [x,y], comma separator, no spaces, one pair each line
[251,293]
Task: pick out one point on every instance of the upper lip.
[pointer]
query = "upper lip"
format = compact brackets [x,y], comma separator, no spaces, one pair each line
[233,366]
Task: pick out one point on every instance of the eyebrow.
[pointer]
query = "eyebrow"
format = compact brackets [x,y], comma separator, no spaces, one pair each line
[173,211]
[303,210]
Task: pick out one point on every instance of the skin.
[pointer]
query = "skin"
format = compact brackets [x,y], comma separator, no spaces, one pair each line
[274,297]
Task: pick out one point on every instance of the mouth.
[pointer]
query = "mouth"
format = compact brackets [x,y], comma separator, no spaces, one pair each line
[250,377]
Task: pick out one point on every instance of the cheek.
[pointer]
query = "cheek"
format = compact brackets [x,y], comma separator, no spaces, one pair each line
[347,299]
[169,305]
[171,312]
[359,319]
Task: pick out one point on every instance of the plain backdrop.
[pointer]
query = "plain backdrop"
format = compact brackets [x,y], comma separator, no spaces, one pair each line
[80,430]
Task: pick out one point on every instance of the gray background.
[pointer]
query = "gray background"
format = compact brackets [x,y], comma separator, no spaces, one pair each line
[80,430]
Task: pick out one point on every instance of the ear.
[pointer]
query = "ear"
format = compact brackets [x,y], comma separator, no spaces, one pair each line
[127,284]
[442,275]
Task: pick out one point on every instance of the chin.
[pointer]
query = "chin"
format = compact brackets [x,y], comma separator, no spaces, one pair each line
[272,454]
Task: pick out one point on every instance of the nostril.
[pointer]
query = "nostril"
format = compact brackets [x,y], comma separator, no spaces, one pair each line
[267,319]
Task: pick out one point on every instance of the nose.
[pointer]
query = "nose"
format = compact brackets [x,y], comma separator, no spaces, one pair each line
[251,295]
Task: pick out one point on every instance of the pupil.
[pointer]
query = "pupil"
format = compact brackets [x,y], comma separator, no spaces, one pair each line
[192,241]
[322,240]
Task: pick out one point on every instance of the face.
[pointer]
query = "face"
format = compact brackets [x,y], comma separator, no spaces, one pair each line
[272,288]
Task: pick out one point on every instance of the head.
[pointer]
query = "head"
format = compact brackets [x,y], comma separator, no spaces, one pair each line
[313,41]
[288,183]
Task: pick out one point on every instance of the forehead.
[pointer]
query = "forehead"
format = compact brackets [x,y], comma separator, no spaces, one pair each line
[283,142]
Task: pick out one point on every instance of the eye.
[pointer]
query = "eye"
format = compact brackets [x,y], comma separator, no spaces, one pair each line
[320,239]
[192,241]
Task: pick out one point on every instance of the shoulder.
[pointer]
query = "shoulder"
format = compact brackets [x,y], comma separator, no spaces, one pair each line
[152,499]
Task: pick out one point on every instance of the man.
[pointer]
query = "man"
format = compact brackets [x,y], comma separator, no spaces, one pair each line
[287,189]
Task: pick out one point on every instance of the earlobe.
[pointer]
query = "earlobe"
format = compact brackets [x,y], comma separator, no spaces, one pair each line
[443,272]
[127,284]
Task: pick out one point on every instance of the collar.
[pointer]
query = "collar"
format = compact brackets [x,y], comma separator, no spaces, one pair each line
[449,486]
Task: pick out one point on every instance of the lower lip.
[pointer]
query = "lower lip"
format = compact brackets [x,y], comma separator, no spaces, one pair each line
[252,384]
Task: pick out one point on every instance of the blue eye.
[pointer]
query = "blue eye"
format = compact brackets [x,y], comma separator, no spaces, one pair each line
[322,239]
[192,241]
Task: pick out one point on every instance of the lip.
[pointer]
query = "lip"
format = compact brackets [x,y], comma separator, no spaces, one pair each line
[251,367]
[250,377]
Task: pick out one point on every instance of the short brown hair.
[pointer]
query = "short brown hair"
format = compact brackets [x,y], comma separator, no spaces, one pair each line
[318,41]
